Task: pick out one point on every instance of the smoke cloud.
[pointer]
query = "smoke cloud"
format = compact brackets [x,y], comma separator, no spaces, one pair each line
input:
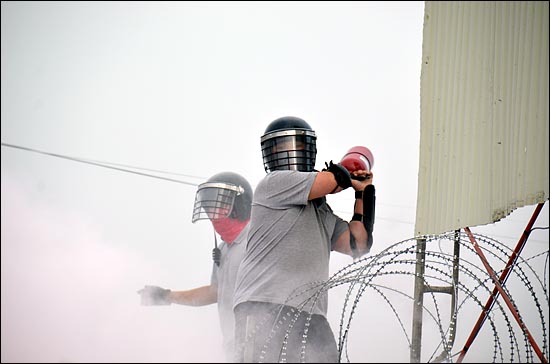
[70,296]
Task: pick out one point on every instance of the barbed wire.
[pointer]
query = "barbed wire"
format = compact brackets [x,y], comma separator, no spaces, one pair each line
[374,276]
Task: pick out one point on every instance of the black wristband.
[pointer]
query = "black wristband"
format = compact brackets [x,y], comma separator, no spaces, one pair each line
[357,217]
[341,175]
[358,194]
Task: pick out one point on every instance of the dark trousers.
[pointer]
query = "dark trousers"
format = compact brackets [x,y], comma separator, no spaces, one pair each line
[270,333]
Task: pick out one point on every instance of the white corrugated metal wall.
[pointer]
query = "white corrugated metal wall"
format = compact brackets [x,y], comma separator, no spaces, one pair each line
[484,112]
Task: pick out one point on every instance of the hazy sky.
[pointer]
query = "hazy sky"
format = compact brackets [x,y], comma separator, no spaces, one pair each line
[187,88]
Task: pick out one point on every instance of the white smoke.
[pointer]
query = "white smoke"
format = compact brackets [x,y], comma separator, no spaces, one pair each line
[70,296]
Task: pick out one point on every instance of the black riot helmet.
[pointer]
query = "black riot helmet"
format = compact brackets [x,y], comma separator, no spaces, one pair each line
[226,194]
[289,144]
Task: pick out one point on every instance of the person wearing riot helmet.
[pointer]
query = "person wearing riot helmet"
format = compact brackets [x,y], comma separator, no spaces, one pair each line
[225,200]
[291,234]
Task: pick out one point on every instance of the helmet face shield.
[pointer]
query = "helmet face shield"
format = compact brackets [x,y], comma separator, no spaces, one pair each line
[289,150]
[215,200]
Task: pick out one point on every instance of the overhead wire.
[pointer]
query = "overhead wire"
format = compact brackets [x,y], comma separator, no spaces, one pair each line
[110,165]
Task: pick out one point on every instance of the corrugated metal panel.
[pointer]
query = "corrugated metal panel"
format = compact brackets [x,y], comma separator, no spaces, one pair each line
[484,112]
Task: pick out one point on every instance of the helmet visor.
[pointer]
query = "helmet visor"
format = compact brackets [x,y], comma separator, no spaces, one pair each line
[291,152]
[215,200]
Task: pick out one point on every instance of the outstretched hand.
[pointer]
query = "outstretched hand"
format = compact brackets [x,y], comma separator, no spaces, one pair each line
[154,296]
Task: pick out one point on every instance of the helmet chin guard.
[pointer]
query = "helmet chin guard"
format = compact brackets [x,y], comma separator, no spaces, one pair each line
[289,143]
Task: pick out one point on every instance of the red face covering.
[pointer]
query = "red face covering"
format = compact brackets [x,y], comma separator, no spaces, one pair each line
[228,228]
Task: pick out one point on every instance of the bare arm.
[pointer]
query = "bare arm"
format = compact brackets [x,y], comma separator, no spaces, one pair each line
[323,185]
[200,296]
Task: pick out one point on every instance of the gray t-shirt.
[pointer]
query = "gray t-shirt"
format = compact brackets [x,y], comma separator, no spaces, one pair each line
[289,244]
[224,277]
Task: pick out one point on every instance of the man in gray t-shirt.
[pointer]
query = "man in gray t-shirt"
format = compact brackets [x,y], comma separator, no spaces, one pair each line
[223,282]
[224,200]
[280,304]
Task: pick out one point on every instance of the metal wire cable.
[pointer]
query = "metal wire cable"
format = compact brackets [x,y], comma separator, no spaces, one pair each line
[108,165]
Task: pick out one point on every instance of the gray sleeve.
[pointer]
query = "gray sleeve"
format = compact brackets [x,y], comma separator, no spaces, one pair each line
[283,189]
